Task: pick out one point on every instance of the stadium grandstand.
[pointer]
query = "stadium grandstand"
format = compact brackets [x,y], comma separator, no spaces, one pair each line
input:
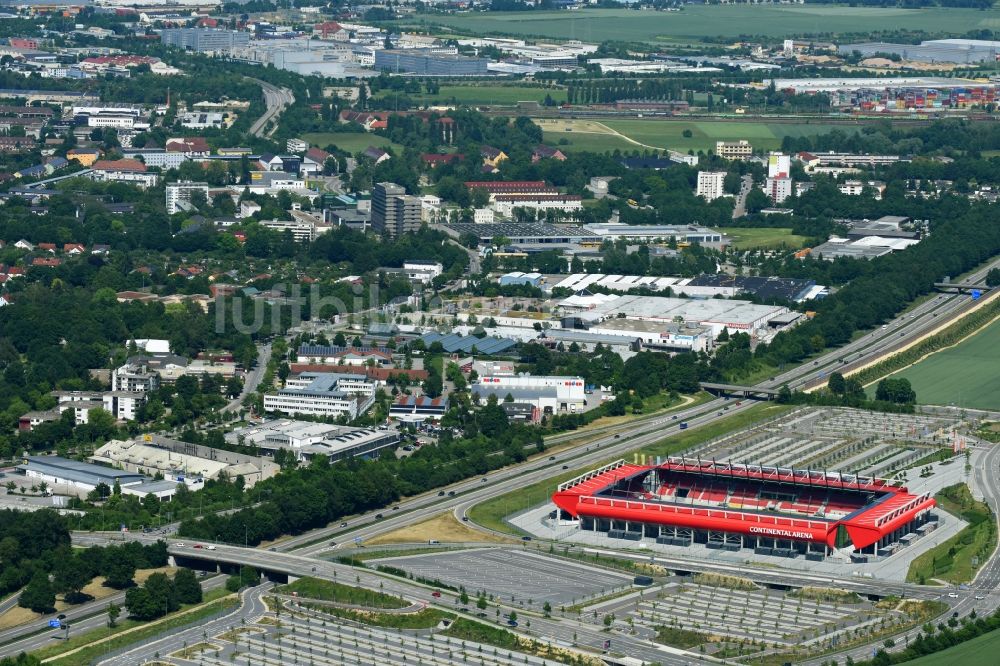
[774,510]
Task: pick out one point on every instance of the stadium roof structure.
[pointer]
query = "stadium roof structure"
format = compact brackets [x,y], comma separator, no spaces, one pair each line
[867,508]
[464,343]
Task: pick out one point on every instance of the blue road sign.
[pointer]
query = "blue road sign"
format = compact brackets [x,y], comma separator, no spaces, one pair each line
[976,294]
[55,624]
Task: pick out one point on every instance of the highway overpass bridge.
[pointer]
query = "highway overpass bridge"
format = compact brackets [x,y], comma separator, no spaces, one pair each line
[955,286]
[736,389]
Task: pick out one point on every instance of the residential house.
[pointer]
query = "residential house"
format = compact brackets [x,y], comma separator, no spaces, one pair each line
[376,155]
[435,159]
[16,144]
[85,156]
[24,245]
[47,262]
[74,249]
[492,157]
[314,161]
[36,171]
[286,163]
[370,120]
[543,152]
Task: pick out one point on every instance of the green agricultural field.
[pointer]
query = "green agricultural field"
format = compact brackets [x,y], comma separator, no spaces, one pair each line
[967,374]
[352,143]
[489,94]
[981,651]
[764,238]
[600,136]
[583,142]
[695,22]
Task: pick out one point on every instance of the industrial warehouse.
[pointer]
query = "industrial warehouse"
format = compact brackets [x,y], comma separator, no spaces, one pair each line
[773,510]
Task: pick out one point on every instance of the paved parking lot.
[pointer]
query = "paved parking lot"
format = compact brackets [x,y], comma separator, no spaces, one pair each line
[763,614]
[513,574]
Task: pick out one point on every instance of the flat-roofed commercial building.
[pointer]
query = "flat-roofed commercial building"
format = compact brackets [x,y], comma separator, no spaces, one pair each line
[682,233]
[74,476]
[307,439]
[203,39]
[323,394]
[428,63]
[549,393]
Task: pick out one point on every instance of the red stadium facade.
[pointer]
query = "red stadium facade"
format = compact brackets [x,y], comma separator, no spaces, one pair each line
[728,505]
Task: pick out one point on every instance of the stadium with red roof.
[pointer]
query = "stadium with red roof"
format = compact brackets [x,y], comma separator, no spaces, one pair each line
[774,510]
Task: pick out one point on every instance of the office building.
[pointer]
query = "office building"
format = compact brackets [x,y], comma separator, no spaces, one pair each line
[734,150]
[428,63]
[710,184]
[204,40]
[308,440]
[127,171]
[302,231]
[416,409]
[394,212]
[422,270]
[181,191]
[323,394]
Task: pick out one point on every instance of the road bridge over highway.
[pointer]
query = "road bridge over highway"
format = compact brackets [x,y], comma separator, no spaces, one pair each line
[963,287]
[736,389]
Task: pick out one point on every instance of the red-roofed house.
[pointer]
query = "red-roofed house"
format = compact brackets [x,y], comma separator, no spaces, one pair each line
[48,247]
[73,248]
[128,171]
[50,262]
[434,159]
[543,152]
[314,161]
[192,146]
[331,30]
[369,120]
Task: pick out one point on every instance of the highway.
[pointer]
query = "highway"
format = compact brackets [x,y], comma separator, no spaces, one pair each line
[617,442]
[626,437]
[85,617]
[276,99]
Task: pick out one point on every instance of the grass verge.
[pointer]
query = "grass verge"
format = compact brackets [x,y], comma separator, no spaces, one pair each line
[679,638]
[424,619]
[952,560]
[92,644]
[478,632]
[326,590]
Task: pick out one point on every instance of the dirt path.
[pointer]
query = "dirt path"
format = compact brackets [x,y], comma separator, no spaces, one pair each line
[579,128]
